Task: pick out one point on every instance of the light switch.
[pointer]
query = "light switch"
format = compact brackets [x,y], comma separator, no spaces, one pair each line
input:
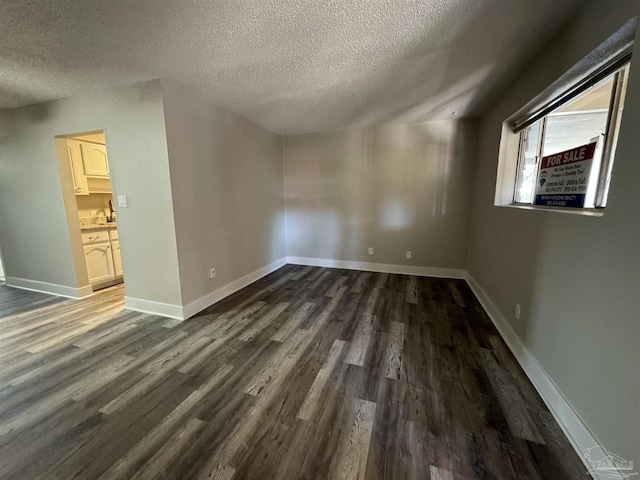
[122,201]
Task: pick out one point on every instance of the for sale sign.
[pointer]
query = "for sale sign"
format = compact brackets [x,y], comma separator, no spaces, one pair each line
[564,177]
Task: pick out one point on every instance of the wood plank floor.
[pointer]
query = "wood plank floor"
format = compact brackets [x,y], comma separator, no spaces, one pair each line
[309,373]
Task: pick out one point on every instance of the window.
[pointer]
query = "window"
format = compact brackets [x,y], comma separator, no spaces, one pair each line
[557,151]
[567,147]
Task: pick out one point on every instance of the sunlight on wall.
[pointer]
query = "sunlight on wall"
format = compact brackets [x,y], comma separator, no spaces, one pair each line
[441,188]
[303,230]
[395,215]
[396,188]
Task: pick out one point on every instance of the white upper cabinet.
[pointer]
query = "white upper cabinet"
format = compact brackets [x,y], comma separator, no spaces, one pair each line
[80,186]
[94,160]
[89,167]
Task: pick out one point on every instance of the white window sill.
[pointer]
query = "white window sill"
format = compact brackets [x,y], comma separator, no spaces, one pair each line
[589,212]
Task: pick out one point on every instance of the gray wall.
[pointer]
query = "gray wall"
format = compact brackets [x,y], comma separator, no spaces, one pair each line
[34,234]
[228,192]
[576,277]
[394,188]
[6,121]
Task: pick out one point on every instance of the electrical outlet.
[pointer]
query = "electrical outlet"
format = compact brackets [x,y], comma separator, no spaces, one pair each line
[122,201]
[370,251]
[212,272]
[517,312]
[408,254]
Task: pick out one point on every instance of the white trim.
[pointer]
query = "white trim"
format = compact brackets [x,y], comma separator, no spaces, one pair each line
[153,308]
[209,299]
[579,112]
[380,267]
[284,198]
[50,288]
[183,312]
[579,435]
[85,291]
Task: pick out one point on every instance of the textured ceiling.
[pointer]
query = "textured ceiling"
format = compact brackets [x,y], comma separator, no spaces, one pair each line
[292,66]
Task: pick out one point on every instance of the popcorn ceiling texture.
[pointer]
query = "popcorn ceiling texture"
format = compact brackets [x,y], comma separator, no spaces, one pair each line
[292,66]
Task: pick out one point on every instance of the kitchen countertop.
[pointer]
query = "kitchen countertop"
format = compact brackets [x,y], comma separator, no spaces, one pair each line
[95,228]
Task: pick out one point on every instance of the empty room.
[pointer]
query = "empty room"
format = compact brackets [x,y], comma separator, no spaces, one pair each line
[296,239]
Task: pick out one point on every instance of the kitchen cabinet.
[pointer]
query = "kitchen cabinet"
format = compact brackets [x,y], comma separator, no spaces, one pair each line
[115,250]
[94,160]
[117,259]
[99,263]
[102,256]
[89,167]
[80,185]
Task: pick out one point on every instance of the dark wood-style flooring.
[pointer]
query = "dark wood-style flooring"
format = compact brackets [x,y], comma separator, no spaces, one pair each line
[309,373]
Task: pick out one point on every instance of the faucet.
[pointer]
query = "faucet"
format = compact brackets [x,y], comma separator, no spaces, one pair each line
[112,212]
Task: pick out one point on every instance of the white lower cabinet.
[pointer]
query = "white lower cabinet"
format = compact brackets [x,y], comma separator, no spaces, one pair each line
[102,256]
[117,259]
[99,262]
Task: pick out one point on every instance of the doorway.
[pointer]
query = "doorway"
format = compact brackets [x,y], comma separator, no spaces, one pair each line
[87,187]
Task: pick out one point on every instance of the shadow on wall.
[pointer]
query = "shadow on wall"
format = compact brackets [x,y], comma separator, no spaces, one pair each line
[396,188]
[6,122]
[449,60]
[510,226]
[6,129]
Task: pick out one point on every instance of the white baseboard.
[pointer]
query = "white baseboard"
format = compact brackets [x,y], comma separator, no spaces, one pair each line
[213,297]
[50,288]
[380,267]
[85,291]
[183,312]
[572,425]
[153,308]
